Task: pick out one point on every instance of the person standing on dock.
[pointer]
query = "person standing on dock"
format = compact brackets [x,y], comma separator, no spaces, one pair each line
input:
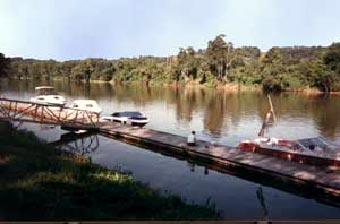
[191,141]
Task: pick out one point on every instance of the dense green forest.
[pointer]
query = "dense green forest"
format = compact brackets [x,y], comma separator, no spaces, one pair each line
[220,64]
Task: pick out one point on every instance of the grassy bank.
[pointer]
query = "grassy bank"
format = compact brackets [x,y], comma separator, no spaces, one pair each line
[38,183]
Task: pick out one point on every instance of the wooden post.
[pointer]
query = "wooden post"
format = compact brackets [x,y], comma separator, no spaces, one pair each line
[42,114]
[66,115]
[15,110]
[268,118]
[76,117]
[271,107]
[35,112]
[60,111]
[10,108]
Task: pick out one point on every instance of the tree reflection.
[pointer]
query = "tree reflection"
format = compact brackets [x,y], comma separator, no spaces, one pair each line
[326,115]
[213,115]
[83,144]
[186,104]
[221,112]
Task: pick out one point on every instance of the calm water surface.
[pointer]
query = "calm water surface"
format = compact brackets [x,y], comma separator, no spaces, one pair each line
[215,115]
[224,117]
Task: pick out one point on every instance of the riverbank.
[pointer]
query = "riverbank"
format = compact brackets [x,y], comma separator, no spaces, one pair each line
[38,182]
[228,87]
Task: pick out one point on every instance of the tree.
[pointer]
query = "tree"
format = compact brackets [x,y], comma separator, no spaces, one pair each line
[332,58]
[87,74]
[4,65]
[219,56]
[187,62]
[331,80]
[281,68]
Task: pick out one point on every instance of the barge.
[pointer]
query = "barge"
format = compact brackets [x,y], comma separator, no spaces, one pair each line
[312,151]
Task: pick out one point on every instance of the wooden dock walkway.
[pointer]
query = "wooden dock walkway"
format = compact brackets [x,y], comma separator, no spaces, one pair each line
[323,179]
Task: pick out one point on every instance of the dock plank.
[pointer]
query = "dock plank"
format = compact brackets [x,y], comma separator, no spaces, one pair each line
[224,156]
[323,176]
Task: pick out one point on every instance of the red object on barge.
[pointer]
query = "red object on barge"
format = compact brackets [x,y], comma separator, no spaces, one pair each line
[313,151]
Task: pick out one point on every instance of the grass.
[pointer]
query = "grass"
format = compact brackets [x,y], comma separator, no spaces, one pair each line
[38,183]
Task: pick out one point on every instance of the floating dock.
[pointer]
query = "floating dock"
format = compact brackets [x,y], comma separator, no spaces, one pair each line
[323,179]
[320,179]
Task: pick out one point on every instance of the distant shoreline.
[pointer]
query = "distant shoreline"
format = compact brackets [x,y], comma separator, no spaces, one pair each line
[313,70]
[229,87]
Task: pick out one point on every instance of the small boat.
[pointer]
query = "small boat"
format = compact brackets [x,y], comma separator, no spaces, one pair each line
[47,95]
[313,151]
[88,105]
[134,118]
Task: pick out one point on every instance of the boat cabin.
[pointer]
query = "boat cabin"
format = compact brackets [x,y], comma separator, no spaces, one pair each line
[47,94]
[88,105]
[134,118]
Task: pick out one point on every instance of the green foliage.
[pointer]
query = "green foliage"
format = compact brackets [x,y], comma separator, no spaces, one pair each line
[272,84]
[4,65]
[290,82]
[332,58]
[39,183]
[218,55]
[286,68]
[332,61]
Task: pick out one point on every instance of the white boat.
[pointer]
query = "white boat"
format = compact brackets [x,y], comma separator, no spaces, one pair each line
[134,118]
[47,95]
[88,105]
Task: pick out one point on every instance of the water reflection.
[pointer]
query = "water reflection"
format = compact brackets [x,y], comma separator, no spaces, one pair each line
[235,194]
[79,144]
[260,197]
[214,114]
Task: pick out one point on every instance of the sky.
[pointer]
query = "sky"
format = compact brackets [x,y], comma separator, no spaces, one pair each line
[78,29]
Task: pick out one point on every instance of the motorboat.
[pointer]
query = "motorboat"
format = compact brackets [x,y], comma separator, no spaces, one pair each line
[87,105]
[134,118]
[313,151]
[47,95]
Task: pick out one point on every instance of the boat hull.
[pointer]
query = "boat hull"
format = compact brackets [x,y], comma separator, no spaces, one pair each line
[291,155]
[132,122]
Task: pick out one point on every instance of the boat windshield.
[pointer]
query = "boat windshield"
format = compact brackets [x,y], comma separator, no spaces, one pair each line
[130,114]
[313,143]
[45,91]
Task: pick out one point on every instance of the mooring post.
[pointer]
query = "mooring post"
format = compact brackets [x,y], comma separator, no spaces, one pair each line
[15,109]
[35,112]
[271,107]
[42,114]
[75,118]
[59,114]
[10,108]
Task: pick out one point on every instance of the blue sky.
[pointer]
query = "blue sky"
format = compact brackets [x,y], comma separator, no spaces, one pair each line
[77,29]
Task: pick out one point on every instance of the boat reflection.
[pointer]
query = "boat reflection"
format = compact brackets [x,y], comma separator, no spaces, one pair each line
[79,144]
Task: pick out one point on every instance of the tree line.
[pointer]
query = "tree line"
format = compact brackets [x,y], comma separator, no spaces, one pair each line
[220,64]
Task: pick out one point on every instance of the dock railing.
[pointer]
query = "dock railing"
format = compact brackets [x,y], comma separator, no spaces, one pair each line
[18,110]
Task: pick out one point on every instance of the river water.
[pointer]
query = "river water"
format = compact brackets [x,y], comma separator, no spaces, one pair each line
[215,115]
